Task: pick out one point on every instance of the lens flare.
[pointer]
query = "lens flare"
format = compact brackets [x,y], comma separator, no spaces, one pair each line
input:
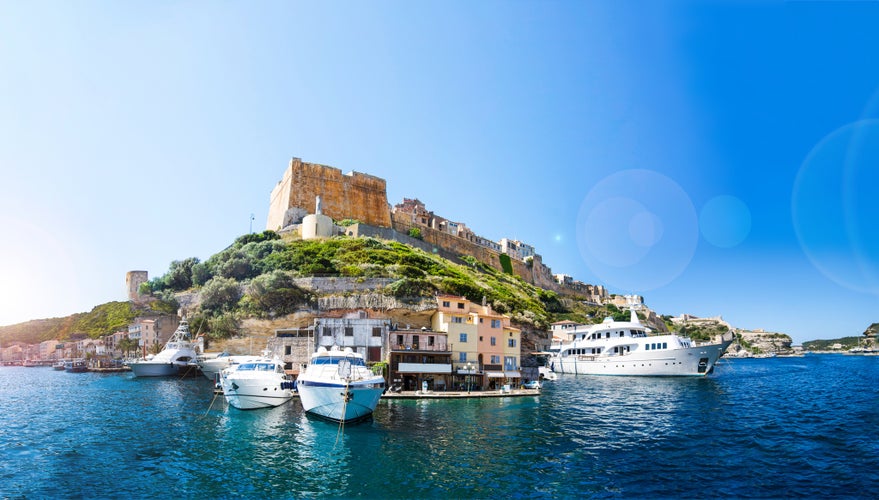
[637,230]
[835,209]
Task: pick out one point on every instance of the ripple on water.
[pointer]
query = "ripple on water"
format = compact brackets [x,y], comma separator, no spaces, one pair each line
[759,428]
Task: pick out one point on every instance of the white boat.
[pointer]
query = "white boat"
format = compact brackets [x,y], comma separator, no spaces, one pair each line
[258,383]
[176,357]
[545,373]
[629,348]
[338,386]
[211,366]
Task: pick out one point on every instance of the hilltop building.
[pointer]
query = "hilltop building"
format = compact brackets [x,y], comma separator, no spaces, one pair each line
[345,196]
[363,198]
[133,280]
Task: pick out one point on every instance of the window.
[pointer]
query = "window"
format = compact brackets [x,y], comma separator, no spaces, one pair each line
[349,331]
[495,359]
[462,357]
[460,305]
[327,332]
[495,323]
[457,319]
[493,341]
[509,363]
[430,340]
[463,337]
[399,340]
[446,303]
[288,350]
[511,343]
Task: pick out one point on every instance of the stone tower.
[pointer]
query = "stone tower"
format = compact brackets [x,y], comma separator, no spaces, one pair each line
[343,196]
[133,279]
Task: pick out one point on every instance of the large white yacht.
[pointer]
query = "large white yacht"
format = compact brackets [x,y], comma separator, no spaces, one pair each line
[338,386]
[629,348]
[178,356]
[258,383]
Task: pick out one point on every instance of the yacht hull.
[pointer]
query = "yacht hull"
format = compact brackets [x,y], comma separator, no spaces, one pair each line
[148,369]
[338,402]
[695,361]
[250,394]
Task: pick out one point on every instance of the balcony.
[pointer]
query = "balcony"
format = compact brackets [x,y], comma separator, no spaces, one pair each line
[420,346]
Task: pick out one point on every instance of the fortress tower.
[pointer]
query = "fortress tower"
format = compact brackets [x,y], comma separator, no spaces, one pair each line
[133,279]
[343,196]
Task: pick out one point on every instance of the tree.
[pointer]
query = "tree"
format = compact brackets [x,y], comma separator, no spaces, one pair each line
[126,345]
[179,275]
[219,294]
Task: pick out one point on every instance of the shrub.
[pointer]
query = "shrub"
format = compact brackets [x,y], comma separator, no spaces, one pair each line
[219,295]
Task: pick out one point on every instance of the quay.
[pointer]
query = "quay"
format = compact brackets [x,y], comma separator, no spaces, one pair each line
[460,394]
[446,394]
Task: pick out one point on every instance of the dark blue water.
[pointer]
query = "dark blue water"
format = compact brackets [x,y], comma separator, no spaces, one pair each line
[770,428]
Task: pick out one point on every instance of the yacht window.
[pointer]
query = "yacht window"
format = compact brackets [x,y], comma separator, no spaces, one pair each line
[665,345]
[607,335]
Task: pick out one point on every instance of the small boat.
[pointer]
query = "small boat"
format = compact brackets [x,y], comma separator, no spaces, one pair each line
[338,386]
[58,365]
[627,348]
[546,373]
[531,384]
[259,383]
[75,366]
[211,366]
[175,358]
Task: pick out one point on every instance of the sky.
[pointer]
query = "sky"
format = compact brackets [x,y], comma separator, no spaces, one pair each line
[716,158]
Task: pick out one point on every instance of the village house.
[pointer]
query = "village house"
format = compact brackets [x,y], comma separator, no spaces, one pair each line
[485,348]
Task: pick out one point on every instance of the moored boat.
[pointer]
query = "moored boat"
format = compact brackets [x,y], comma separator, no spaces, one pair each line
[58,365]
[178,356]
[211,366]
[75,366]
[628,348]
[258,383]
[338,386]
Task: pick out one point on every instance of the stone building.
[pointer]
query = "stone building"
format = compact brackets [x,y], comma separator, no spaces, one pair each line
[133,280]
[345,196]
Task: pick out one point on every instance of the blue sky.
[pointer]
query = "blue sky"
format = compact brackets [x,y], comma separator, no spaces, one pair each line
[717,158]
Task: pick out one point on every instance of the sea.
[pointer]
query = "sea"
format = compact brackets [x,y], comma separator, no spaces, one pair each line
[804,427]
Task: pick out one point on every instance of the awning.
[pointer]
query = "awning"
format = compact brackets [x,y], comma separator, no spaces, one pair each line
[495,374]
[513,374]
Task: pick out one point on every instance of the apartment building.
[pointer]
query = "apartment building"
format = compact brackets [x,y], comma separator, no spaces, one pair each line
[485,348]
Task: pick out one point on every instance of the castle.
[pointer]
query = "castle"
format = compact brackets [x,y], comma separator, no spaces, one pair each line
[363,198]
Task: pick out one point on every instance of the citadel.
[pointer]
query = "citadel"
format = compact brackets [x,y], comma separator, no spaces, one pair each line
[362,198]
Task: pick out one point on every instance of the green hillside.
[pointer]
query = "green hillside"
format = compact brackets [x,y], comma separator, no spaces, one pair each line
[103,319]
[254,277]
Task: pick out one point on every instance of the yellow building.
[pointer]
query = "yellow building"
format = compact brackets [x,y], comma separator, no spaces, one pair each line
[485,349]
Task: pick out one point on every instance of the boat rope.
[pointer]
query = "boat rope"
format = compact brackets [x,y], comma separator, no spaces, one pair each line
[212,403]
[346,396]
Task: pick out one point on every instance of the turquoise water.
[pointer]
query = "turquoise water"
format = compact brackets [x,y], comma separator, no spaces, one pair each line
[770,428]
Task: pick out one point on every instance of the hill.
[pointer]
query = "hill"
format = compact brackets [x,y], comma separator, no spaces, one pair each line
[101,320]
[261,277]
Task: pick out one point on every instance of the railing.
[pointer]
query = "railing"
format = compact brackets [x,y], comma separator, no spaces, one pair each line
[419,346]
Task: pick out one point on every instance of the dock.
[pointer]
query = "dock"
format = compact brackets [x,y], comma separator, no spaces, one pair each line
[460,394]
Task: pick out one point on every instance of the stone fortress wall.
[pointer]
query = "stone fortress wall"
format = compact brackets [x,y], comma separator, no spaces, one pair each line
[364,198]
[343,196]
